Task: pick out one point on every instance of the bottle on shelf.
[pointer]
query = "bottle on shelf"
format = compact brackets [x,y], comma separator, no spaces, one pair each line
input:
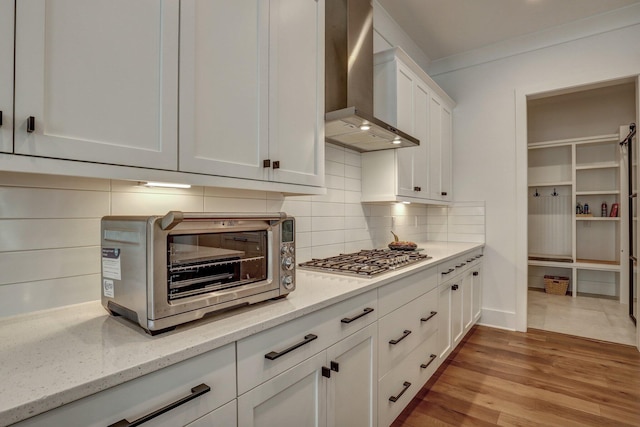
[586,209]
[614,210]
[603,209]
[579,208]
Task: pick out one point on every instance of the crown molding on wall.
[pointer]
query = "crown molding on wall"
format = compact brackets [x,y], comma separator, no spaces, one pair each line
[587,27]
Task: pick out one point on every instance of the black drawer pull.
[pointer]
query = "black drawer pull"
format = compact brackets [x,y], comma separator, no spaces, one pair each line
[448,271]
[405,386]
[475,273]
[273,355]
[431,359]
[351,319]
[197,391]
[405,334]
[444,193]
[461,264]
[425,319]
[454,287]
[470,259]
[31,124]
[0,118]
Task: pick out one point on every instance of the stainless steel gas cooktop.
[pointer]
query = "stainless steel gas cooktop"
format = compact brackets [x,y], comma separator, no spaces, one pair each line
[365,263]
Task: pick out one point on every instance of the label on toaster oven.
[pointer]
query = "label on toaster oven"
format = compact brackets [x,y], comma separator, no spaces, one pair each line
[111,263]
[107,288]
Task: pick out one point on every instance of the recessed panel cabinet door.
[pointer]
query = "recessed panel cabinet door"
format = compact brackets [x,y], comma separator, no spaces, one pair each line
[296,91]
[6,75]
[224,68]
[97,80]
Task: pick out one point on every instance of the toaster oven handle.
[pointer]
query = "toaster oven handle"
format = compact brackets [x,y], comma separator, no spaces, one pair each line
[173,218]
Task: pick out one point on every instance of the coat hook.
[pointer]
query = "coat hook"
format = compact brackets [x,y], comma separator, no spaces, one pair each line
[555,193]
[536,194]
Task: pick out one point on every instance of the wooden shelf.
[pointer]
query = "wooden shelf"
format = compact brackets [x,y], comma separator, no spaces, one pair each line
[603,165]
[552,184]
[597,218]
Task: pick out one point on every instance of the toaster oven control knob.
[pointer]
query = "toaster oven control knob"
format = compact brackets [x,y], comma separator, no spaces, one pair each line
[287,263]
[284,250]
[287,281]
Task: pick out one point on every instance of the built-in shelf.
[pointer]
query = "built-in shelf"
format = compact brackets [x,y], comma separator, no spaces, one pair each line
[551,184]
[603,165]
[597,218]
[581,264]
[585,140]
[597,193]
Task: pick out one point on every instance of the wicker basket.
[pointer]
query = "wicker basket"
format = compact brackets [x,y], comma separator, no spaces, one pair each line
[556,285]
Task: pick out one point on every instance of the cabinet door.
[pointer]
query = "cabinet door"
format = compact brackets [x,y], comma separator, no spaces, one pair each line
[444,320]
[440,140]
[467,299]
[406,158]
[421,131]
[6,75]
[296,91]
[457,325]
[476,304]
[224,87]
[99,79]
[225,416]
[352,387]
[297,397]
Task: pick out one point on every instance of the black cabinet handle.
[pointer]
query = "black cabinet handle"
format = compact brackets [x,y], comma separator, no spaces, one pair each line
[462,264]
[444,193]
[447,272]
[431,359]
[326,372]
[470,259]
[31,124]
[405,387]
[405,334]
[475,273]
[266,163]
[0,118]
[351,319]
[273,355]
[335,366]
[417,188]
[425,319]
[197,391]
[454,287]
[276,164]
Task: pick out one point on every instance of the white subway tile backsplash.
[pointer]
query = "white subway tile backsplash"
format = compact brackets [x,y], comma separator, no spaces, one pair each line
[220,204]
[18,298]
[154,204]
[30,234]
[326,223]
[20,203]
[49,226]
[30,266]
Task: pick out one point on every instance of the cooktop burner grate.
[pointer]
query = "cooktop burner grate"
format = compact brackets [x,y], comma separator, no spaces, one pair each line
[365,263]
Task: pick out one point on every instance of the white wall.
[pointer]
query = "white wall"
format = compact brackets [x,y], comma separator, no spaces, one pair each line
[490,122]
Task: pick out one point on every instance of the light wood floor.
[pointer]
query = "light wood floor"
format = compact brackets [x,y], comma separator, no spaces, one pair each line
[537,378]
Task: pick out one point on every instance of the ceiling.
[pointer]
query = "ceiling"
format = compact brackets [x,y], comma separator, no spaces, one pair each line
[443,28]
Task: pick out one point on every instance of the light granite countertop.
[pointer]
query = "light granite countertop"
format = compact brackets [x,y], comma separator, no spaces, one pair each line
[53,357]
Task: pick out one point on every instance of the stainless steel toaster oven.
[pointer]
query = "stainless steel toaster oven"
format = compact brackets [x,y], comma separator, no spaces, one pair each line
[161,271]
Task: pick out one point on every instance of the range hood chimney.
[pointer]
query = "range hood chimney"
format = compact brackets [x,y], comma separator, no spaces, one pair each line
[349,119]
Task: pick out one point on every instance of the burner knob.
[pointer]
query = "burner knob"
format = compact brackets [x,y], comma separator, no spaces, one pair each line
[287,282]
[287,263]
[284,249]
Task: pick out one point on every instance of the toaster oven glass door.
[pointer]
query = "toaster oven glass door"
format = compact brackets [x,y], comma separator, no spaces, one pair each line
[203,263]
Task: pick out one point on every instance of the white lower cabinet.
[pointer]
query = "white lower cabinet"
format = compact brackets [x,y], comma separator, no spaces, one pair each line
[404,381]
[352,388]
[296,397]
[137,399]
[224,416]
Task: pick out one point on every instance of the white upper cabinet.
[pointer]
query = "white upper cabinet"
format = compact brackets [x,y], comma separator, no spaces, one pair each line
[6,75]
[252,89]
[97,81]
[405,96]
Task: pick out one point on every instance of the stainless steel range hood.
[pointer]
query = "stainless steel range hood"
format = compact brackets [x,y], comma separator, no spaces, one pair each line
[349,119]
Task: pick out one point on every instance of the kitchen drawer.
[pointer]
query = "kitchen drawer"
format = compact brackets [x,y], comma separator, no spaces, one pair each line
[400,292]
[142,396]
[409,375]
[405,328]
[226,416]
[291,343]
[458,265]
